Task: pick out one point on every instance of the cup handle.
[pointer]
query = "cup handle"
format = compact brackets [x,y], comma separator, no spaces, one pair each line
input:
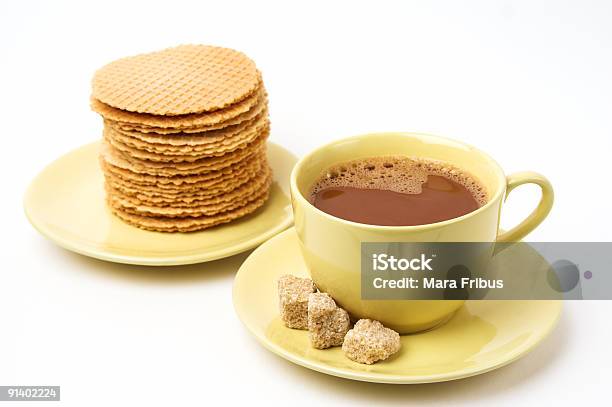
[539,213]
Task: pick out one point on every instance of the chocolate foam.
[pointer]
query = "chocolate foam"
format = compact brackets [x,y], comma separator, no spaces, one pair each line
[396,173]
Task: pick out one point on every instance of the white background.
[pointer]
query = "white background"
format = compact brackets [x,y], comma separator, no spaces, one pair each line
[528,82]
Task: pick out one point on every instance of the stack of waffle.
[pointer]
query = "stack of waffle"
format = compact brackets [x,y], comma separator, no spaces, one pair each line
[184,145]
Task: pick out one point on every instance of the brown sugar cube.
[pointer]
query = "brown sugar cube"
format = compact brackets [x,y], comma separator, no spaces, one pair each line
[327,323]
[369,341]
[293,295]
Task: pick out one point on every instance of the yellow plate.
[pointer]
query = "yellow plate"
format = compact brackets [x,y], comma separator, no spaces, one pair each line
[66,204]
[482,336]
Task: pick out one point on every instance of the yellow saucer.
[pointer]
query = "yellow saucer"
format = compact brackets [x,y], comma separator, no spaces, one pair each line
[481,336]
[66,204]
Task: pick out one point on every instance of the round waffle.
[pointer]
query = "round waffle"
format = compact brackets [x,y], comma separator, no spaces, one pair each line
[186,120]
[176,81]
[158,153]
[189,141]
[208,206]
[189,224]
[248,115]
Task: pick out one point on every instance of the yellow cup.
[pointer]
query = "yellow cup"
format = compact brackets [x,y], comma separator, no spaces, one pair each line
[332,246]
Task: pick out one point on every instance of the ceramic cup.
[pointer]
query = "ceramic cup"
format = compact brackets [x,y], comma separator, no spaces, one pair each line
[332,246]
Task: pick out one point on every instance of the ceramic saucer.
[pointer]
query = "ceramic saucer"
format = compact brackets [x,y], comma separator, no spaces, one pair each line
[480,337]
[66,204]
